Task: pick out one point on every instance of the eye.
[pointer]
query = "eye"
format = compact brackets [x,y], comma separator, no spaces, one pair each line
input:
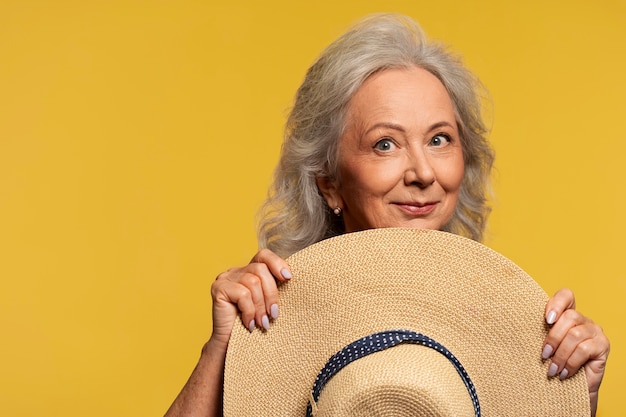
[439,140]
[384,145]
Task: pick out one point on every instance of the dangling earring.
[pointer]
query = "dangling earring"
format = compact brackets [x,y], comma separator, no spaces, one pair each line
[337,210]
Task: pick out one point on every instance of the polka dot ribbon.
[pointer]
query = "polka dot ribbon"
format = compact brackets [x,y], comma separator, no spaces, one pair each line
[381,341]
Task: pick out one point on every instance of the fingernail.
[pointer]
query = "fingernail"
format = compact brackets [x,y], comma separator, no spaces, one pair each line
[552,370]
[274,311]
[563,374]
[285,273]
[265,322]
[547,351]
[551,317]
[251,326]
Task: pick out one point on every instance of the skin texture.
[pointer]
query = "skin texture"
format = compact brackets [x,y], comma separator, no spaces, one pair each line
[574,341]
[400,159]
[400,164]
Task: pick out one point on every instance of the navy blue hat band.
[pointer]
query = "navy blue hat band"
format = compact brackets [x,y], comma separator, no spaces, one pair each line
[380,341]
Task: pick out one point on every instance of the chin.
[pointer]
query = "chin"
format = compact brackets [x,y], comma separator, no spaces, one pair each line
[424,225]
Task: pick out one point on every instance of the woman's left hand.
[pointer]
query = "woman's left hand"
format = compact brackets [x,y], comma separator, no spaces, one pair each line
[574,341]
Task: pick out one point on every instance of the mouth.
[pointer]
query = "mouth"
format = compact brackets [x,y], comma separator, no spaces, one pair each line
[417,209]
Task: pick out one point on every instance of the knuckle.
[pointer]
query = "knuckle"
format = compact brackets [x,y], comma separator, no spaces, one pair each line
[601,339]
[263,253]
[216,287]
[249,279]
[585,349]
[214,290]
[222,275]
[242,292]
[257,268]
[227,274]
[588,321]
[571,314]
[259,256]
[577,332]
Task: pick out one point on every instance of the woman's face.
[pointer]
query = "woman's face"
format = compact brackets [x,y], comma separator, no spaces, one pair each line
[400,159]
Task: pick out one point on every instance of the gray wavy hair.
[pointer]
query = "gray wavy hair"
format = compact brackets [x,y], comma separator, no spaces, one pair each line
[295,214]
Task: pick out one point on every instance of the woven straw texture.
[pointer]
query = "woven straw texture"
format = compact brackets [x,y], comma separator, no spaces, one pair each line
[404,381]
[475,302]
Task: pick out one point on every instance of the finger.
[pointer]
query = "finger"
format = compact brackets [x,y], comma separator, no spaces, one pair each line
[574,351]
[229,299]
[270,290]
[578,357]
[557,334]
[278,267]
[253,282]
[562,300]
[596,365]
[585,345]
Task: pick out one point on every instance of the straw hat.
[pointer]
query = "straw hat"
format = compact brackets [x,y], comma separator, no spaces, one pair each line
[400,322]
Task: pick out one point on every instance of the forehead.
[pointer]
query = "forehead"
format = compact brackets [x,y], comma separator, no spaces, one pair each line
[406,94]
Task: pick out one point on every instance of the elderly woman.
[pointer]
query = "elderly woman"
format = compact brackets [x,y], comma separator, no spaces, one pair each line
[386,131]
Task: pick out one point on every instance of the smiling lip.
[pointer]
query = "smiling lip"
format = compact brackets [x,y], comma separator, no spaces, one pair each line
[417,209]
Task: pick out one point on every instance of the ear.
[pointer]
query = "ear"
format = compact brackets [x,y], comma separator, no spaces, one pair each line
[330,190]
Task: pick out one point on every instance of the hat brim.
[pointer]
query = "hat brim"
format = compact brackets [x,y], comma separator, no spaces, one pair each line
[480,305]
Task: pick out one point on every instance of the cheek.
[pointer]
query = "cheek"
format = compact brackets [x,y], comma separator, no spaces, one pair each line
[363,179]
[452,175]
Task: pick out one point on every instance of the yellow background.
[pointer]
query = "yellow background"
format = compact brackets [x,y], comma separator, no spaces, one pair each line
[137,140]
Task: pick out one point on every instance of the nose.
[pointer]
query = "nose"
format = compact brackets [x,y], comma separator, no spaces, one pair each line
[419,170]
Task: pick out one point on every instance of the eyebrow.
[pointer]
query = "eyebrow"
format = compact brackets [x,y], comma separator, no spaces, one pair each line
[400,128]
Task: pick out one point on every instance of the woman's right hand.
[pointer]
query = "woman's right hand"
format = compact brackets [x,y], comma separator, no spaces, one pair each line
[250,291]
